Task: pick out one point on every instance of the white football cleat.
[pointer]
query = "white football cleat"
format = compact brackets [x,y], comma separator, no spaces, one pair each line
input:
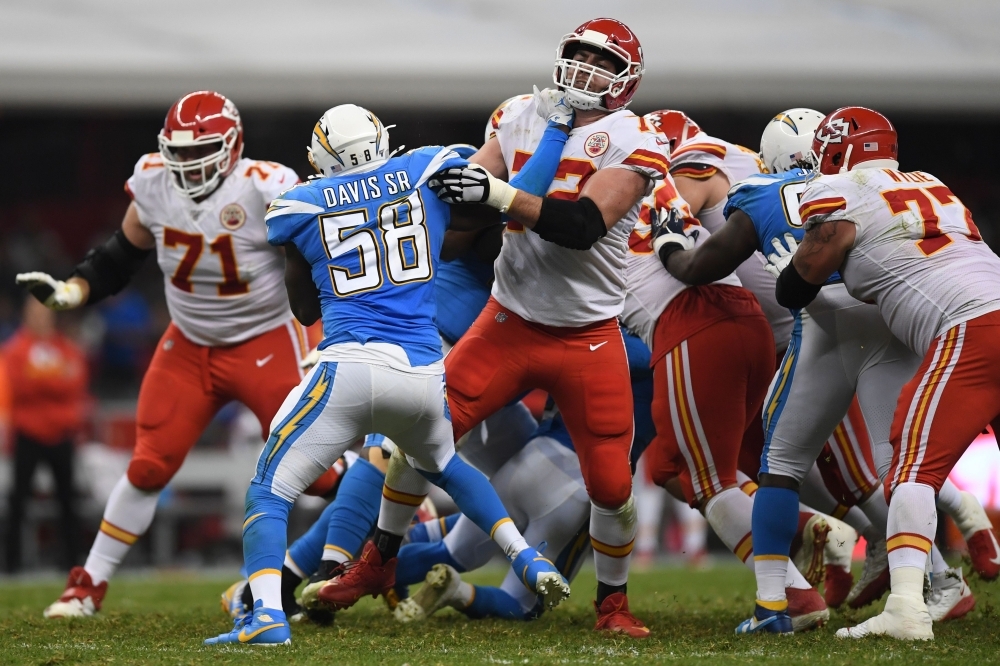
[950,597]
[440,589]
[904,618]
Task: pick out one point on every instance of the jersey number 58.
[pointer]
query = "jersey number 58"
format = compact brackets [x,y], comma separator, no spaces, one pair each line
[401,236]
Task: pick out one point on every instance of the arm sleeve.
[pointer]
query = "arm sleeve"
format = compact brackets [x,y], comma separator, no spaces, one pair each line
[537,174]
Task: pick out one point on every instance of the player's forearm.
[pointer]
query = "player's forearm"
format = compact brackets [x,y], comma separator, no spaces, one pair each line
[695,267]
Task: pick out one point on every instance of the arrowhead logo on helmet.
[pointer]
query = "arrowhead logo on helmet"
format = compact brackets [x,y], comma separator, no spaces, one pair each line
[588,86]
[854,130]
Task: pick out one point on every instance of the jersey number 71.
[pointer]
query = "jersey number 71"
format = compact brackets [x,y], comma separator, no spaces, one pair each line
[400,235]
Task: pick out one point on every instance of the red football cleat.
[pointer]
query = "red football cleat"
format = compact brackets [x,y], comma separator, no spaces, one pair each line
[368,575]
[80,599]
[985,554]
[836,585]
[806,608]
[613,616]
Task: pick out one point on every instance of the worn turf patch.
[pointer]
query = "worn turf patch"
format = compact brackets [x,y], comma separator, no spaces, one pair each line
[692,614]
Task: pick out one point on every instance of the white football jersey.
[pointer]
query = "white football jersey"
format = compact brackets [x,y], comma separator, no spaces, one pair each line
[553,285]
[701,157]
[917,254]
[224,284]
[649,287]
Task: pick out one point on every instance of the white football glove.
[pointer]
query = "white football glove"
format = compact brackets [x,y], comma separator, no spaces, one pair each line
[778,260]
[54,294]
[472,184]
[552,105]
[311,359]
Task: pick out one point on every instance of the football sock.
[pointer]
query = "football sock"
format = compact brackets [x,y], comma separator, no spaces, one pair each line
[403,491]
[877,512]
[492,602]
[912,526]
[387,543]
[949,498]
[857,519]
[289,583]
[264,539]
[304,554]
[730,513]
[477,499]
[431,531]
[127,516]
[937,563]
[355,511]
[416,559]
[747,485]
[775,520]
[612,536]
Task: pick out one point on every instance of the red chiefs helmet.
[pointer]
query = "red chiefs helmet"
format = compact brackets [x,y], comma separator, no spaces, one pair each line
[613,37]
[852,135]
[196,120]
[675,125]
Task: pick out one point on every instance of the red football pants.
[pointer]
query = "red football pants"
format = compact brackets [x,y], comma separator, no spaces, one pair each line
[584,369]
[951,399]
[186,384]
[707,392]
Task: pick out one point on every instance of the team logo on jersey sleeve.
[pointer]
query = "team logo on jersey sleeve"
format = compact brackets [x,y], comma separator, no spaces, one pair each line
[233,216]
[596,144]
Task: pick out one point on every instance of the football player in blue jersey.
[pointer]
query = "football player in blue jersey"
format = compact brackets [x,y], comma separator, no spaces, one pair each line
[821,373]
[362,245]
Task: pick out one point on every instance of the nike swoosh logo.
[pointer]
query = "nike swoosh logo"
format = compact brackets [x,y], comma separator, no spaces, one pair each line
[598,345]
[244,636]
[261,362]
[996,548]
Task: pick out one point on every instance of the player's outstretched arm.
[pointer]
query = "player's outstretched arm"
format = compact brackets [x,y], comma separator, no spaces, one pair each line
[103,272]
[821,253]
[718,256]
[303,296]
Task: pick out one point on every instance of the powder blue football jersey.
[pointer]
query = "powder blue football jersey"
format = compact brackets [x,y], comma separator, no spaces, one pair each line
[373,240]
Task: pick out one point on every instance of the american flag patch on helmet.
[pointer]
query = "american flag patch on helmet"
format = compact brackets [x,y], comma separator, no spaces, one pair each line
[871,146]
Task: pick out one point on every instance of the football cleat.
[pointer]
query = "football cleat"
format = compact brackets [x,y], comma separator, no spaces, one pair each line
[806,608]
[367,575]
[950,597]
[541,577]
[837,557]
[614,617]
[905,618]
[440,589]
[809,557]
[766,621]
[984,553]
[874,581]
[232,600]
[81,598]
[265,626]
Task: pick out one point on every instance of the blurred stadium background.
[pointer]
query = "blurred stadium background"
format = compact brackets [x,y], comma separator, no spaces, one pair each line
[84,85]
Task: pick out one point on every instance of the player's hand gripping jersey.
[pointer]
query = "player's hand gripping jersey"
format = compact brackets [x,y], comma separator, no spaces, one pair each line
[771,201]
[222,280]
[910,228]
[380,235]
[701,157]
[549,284]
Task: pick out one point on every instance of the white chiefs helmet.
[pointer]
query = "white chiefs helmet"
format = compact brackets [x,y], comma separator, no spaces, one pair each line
[348,138]
[787,140]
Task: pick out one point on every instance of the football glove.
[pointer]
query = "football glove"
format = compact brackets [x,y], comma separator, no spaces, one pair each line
[552,105]
[782,256]
[668,229]
[54,294]
[471,184]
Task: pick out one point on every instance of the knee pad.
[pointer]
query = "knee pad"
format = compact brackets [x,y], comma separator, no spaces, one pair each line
[150,474]
[609,477]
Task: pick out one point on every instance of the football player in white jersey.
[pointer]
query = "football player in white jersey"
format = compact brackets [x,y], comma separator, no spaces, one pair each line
[551,320]
[904,241]
[199,205]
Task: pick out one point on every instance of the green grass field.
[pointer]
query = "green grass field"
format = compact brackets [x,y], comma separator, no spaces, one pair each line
[692,614]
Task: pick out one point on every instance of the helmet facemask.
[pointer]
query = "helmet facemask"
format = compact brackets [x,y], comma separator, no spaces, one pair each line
[580,94]
[207,171]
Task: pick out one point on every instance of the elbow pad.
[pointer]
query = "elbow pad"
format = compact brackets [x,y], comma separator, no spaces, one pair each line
[109,267]
[576,225]
[792,291]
